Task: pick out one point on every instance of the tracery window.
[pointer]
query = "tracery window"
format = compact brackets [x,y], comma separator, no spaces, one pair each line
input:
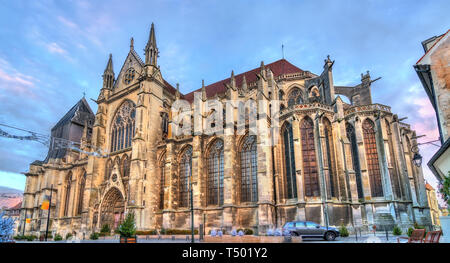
[310,171]
[129,76]
[123,126]
[295,97]
[249,170]
[289,161]
[185,173]
[108,169]
[125,166]
[215,174]
[355,159]
[373,165]
[329,160]
[81,193]
[67,197]
[162,181]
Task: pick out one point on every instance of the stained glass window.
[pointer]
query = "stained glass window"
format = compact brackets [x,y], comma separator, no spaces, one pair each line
[185,173]
[289,160]
[373,165]
[249,170]
[162,181]
[295,97]
[310,171]
[81,193]
[122,131]
[215,174]
[67,197]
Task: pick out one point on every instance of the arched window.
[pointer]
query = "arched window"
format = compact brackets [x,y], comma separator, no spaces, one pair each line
[122,130]
[289,161]
[329,160]
[81,193]
[67,197]
[392,164]
[108,169]
[309,158]
[355,159]
[162,165]
[249,170]
[295,97]
[125,166]
[215,174]
[373,165]
[184,176]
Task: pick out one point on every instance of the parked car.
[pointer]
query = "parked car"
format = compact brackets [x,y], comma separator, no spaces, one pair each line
[311,229]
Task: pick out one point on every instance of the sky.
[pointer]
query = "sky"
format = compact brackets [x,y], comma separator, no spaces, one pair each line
[51,52]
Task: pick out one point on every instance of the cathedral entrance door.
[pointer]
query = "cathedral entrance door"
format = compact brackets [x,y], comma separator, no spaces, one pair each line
[113,207]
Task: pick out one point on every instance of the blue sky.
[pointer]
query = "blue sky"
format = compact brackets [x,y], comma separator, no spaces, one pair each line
[53,51]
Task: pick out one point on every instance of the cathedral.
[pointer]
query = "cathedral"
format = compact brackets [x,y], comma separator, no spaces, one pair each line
[323,158]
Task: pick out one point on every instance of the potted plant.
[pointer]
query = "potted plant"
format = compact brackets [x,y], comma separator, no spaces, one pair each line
[127,229]
[444,189]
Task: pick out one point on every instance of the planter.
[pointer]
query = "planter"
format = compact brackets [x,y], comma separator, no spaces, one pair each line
[128,239]
[445,226]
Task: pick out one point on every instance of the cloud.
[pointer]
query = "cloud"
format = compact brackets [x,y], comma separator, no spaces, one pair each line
[55,48]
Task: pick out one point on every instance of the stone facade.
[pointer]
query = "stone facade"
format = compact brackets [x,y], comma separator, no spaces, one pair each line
[433,204]
[332,162]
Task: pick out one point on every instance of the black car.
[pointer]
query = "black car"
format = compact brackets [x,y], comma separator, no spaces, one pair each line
[310,229]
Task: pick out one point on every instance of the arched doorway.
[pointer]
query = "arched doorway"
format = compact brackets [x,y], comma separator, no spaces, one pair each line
[113,208]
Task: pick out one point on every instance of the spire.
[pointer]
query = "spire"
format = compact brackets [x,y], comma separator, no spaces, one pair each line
[109,66]
[203,90]
[131,43]
[151,50]
[232,80]
[177,94]
[108,74]
[263,69]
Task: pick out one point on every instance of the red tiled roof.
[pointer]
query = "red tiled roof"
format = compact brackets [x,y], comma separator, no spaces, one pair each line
[278,68]
[429,187]
[169,87]
[441,37]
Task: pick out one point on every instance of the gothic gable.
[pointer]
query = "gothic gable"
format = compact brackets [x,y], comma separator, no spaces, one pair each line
[130,71]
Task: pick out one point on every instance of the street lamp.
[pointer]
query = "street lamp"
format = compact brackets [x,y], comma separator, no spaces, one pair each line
[417,159]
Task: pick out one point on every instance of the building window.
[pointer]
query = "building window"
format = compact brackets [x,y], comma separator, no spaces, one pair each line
[125,166]
[215,174]
[329,159]
[310,171]
[67,197]
[123,126]
[129,76]
[295,97]
[162,181]
[373,165]
[81,193]
[355,159]
[184,176]
[289,160]
[249,170]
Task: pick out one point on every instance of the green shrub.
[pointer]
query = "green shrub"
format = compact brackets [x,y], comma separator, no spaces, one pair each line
[343,231]
[58,237]
[410,230]
[397,231]
[19,237]
[105,229]
[146,232]
[30,237]
[179,231]
[128,226]
[68,235]
[94,236]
